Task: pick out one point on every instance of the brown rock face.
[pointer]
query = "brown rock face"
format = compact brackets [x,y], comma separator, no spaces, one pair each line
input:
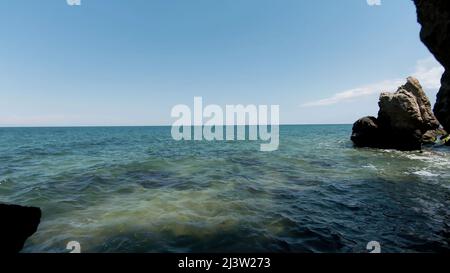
[408,109]
[405,121]
[434,16]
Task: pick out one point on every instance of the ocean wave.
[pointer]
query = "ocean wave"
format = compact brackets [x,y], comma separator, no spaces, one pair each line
[144,192]
[425,173]
[370,167]
[432,158]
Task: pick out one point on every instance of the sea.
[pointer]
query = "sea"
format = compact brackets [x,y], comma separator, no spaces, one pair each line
[135,189]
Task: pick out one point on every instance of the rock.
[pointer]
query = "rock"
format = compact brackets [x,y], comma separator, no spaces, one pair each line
[430,137]
[405,121]
[442,106]
[408,109]
[17,224]
[434,137]
[446,140]
[365,132]
[429,120]
[434,16]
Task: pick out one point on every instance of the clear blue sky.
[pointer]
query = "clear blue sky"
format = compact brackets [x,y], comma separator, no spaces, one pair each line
[121,62]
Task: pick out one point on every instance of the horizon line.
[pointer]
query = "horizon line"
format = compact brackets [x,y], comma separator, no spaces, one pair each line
[106,126]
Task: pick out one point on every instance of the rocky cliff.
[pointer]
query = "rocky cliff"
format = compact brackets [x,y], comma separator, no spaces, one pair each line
[434,16]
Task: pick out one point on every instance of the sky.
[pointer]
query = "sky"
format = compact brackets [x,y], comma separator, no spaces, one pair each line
[115,62]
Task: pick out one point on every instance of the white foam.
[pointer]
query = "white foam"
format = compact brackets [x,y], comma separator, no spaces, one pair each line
[425,173]
[436,159]
[370,166]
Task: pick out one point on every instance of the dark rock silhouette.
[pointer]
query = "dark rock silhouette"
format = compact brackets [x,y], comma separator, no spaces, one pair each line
[17,223]
[366,133]
[405,121]
[434,16]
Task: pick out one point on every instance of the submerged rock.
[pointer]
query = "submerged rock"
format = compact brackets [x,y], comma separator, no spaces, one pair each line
[16,225]
[405,121]
[434,16]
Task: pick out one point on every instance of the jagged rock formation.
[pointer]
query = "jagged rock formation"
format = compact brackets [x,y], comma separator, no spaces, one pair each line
[16,225]
[434,16]
[405,121]
[407,109]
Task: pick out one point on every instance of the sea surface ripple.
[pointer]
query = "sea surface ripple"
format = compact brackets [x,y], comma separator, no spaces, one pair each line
[134,189]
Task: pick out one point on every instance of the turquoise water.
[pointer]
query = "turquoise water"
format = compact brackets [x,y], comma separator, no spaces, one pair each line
[134,189]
